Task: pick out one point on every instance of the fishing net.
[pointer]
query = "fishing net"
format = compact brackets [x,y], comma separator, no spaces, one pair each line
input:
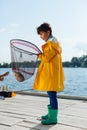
[23,58]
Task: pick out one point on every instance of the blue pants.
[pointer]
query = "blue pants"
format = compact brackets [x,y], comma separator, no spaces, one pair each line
[53,99]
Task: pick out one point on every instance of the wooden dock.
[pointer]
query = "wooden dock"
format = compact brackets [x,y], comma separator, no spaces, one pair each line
[22,112]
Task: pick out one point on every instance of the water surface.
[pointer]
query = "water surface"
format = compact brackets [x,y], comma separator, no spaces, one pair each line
[75,82]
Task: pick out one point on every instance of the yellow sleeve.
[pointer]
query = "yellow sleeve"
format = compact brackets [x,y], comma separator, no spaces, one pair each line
[47,55]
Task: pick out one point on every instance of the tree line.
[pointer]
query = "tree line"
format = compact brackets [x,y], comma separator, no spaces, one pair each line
[75,62]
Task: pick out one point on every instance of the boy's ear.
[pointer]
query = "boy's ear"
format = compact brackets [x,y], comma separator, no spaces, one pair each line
[48,32]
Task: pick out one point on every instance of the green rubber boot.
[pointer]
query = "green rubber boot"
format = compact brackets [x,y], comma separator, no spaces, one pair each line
[46,116]
[52,117]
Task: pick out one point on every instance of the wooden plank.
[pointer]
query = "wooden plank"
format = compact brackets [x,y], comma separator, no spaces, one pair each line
[75,111]
[79,113]
[34,125]
[73,121]
[2,127]
[17,128]
[9,121]
[21,112]
[14,115]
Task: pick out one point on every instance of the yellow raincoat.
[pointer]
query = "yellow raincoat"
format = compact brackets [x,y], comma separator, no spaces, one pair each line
[50,75]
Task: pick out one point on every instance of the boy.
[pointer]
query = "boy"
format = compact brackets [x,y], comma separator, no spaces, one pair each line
[50,76]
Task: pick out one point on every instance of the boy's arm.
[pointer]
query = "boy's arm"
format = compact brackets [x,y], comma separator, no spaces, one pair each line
[48,55]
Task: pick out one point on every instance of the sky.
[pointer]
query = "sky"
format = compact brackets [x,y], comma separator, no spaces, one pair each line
[68,19]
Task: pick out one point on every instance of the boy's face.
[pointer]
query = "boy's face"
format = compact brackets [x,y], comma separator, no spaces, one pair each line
[44,35]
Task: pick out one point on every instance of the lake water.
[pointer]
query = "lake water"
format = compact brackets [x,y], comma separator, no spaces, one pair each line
[75,82]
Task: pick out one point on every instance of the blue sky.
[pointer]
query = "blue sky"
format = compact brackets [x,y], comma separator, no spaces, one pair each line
[68,19]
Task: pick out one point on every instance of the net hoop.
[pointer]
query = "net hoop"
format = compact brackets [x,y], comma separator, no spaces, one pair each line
[24,57]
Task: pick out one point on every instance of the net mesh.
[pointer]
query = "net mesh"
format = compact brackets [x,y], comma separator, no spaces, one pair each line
[23,58]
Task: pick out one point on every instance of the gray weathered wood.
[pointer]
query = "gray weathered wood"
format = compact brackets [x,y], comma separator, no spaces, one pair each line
[21,113]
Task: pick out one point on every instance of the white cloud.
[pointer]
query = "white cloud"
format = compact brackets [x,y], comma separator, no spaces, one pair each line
[14,25]
[81,46]
[73,48]
[14,28]
[2,30]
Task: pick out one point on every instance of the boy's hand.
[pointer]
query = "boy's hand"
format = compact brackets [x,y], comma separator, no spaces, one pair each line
[40,55]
